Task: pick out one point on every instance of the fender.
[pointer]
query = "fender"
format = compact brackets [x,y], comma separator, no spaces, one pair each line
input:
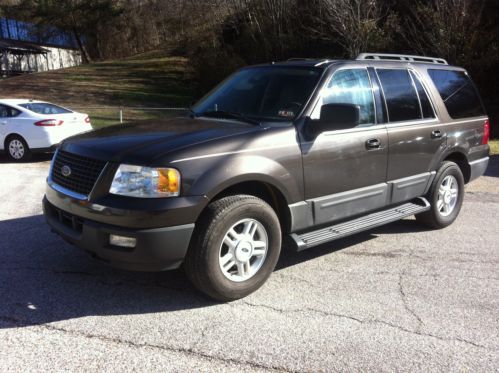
[247,167]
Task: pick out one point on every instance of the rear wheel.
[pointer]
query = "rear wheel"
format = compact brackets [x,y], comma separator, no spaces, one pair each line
[17,149]
[235,247]
[445,196]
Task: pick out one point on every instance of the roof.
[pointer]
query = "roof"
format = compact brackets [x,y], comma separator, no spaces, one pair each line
[16,101]
[21,47]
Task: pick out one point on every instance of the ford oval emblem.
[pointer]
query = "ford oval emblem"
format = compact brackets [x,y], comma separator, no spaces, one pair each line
[65,171]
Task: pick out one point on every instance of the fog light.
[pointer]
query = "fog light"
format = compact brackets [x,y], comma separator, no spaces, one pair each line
[122,241]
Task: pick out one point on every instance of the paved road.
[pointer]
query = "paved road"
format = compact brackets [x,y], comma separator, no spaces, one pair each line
[399,298]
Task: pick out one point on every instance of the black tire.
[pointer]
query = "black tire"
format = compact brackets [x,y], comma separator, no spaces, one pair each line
[202,261]
[434,217]
[17,149]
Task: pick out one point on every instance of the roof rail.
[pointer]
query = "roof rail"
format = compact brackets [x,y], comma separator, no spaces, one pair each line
[319,61]
[400,58]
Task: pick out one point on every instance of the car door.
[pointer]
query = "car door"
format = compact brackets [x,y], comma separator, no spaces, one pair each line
[4,124]
[345,169]
[415,135]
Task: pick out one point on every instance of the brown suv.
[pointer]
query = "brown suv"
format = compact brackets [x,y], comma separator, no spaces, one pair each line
[312,150]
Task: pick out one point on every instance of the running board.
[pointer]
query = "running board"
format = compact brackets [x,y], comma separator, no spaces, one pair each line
[314,238]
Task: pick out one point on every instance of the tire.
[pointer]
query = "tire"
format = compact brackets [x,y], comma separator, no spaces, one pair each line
[444,207]
[223,223]
[17,149]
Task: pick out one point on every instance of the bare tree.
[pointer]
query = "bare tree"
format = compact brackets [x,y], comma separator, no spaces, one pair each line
[353,24]
[447,28]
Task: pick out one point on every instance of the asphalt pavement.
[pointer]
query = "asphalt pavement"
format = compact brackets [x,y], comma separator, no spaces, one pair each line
[398,298]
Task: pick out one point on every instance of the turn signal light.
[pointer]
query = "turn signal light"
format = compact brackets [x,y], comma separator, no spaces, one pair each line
[87,119]
[49,123]
[169,180]
[486,132]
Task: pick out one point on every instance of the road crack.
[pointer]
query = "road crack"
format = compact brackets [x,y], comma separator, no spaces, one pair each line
[366,322]
[406,303]
[190,351]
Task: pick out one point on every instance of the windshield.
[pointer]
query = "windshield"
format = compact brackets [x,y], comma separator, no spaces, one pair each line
[263,93]
[45,108]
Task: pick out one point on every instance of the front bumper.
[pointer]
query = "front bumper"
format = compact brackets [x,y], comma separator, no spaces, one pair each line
[156,249]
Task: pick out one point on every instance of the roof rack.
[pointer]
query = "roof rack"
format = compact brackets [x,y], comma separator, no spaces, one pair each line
[400,58]
[318,61]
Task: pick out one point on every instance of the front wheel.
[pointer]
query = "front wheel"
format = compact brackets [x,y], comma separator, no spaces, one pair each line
[235,247]
[445,196]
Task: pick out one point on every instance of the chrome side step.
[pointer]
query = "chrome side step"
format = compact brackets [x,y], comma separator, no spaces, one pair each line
[314,238]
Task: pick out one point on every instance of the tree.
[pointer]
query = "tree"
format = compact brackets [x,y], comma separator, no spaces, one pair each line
[357,25]
[446,28]
[79,17]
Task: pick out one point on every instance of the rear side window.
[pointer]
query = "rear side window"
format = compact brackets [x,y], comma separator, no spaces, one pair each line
[426,108]
[400,95]
[45,108]
[458,93]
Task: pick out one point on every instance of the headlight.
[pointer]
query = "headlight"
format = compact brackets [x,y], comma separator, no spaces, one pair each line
[145,182]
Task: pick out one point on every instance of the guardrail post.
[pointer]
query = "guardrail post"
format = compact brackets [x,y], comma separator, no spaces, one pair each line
[121,115]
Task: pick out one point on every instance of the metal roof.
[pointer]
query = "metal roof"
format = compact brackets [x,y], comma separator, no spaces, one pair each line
[21,47]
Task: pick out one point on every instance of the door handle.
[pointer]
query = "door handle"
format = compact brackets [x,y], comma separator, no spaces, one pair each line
[373,144]
[436,134]
[3,123]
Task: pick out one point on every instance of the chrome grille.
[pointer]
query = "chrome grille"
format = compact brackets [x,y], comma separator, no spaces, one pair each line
[83,172]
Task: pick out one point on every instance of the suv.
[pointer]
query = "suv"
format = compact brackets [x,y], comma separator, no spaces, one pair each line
[305,150]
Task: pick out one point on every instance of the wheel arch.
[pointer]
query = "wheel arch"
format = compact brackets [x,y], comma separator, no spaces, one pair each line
[265,190]
[461,160]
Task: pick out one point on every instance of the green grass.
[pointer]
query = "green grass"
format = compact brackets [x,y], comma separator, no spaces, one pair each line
[494,147]
[154,79]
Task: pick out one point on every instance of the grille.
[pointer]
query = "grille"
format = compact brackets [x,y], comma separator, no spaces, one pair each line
[84,172]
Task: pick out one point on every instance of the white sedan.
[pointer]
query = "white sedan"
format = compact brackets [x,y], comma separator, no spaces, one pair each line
[28,126]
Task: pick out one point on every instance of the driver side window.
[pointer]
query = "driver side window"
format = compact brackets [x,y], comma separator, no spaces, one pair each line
[350,86]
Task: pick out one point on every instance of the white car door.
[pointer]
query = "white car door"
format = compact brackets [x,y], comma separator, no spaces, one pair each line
[4,124]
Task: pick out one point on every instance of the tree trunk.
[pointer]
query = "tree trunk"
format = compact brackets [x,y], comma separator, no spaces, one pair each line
[84,53]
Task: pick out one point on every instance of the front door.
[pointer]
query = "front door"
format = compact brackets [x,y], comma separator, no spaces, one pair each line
[345,169]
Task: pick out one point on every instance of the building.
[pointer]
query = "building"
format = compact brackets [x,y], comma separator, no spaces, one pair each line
[24,48]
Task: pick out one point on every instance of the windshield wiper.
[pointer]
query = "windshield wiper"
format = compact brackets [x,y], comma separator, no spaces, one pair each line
[229,115]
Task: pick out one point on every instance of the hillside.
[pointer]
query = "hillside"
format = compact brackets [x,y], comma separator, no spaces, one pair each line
[147,80]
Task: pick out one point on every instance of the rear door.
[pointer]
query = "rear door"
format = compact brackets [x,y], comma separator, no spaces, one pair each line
[415,135]
[345,169]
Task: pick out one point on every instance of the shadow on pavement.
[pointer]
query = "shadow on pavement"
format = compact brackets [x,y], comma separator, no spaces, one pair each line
[493,168]
[37,158]
[43,279]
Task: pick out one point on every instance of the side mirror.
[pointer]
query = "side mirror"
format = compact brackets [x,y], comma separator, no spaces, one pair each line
[335,117]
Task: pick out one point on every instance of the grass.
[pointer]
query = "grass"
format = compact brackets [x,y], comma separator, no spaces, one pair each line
[494,147]
[151,80]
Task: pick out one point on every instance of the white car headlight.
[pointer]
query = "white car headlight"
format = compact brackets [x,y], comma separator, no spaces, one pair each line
[146,182]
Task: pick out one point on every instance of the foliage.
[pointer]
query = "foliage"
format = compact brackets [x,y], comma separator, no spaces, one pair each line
[221,35]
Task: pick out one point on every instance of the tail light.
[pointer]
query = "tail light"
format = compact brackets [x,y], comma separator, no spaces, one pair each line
[486,132]
[49,123]
[87,119]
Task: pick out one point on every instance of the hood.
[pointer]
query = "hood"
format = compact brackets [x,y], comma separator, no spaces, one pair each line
[142,143]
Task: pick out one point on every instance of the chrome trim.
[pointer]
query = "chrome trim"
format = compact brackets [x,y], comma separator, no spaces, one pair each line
[65,191]
[485,159]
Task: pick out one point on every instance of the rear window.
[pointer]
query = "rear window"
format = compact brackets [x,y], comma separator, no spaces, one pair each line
[44,108]
[458,93]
